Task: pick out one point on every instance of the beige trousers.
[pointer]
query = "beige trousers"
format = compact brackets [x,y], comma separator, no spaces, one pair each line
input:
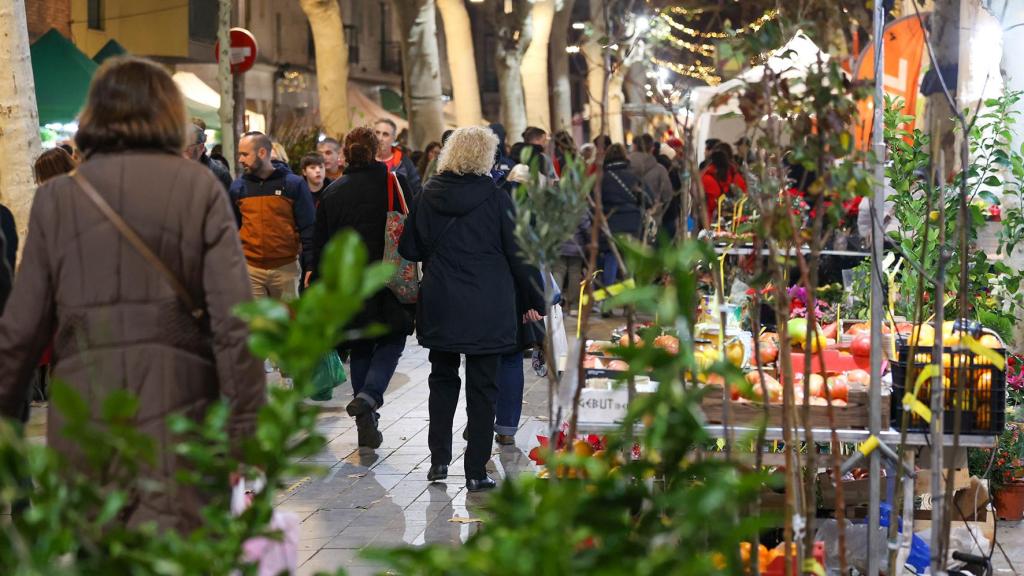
[281,283]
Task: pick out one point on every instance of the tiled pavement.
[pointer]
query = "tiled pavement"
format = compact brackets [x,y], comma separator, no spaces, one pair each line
[382,498]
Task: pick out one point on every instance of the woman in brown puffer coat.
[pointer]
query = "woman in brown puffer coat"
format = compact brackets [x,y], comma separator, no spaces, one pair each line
[119,323]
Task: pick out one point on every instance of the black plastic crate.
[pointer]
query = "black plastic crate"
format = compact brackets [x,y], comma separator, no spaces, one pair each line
[982,396]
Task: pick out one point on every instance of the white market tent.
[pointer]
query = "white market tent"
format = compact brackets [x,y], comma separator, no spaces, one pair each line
[724,121]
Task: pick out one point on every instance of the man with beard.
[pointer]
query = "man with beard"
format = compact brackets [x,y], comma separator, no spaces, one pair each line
[275,213]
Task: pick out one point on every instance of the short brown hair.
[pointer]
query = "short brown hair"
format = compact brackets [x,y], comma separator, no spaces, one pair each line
[133,104]
[53,162]
[615,153]
[311,159]
[360,147]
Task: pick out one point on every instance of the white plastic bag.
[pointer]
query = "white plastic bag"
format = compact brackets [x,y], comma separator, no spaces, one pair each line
[273,556]
[559,343]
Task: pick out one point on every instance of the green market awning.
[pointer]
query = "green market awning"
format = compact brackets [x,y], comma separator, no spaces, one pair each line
[392,102]
[62,76]
[110,49]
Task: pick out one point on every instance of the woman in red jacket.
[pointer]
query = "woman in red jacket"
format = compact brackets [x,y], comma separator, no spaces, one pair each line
[719,177]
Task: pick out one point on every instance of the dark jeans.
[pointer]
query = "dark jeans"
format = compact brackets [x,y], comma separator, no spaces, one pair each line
[481,389]
[510,394]
[610,266]
[372,364]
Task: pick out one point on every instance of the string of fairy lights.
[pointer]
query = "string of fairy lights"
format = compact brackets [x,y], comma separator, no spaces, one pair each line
[697,45]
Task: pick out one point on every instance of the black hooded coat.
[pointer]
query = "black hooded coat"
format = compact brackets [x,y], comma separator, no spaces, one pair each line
[461,227]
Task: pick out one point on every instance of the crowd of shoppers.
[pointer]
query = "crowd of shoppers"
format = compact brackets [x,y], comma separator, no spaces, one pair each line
[161,229]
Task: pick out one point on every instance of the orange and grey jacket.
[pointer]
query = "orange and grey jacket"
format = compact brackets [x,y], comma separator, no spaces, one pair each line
[276,219]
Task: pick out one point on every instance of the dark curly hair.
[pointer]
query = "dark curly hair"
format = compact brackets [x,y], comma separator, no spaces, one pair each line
[360,147]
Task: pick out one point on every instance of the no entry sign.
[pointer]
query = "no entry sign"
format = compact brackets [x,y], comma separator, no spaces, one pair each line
[243,50]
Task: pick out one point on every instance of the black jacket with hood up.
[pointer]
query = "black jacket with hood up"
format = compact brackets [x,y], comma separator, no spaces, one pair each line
[462,229]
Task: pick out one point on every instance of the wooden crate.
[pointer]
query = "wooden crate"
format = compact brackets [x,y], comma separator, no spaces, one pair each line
[853,416]
[855,492]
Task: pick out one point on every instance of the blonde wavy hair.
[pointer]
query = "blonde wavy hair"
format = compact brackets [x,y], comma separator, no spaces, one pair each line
[468,151]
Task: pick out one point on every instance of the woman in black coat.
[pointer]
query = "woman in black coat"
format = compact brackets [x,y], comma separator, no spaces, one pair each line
[624,198]
[359,201]
[462,230]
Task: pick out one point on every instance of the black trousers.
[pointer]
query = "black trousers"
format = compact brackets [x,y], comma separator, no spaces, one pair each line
[481,392]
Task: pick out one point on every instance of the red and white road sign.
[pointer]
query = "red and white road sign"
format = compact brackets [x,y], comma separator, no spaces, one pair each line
[243,50]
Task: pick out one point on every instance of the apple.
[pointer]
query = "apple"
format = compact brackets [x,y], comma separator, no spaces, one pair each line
[858,377]
[668,343]
[840,391]
[618,365]
[861,345]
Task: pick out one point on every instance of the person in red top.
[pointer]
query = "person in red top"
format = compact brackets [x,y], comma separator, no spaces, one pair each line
[719,177]
[393,157]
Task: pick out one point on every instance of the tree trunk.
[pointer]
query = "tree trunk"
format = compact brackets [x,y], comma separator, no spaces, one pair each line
[514,33]
[615,101]
[945,39]
[561,89]
[227,92]
[458,34]
[421,70]
[19,117]
[331,64]
[593,52]
[534,70]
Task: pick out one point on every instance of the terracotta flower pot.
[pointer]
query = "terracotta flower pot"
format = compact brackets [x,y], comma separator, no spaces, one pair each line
[1009,501]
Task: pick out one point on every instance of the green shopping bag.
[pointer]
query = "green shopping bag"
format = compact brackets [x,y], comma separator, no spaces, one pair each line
[329,373]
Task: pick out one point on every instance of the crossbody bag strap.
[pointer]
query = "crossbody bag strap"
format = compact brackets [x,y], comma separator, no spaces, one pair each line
[138,244]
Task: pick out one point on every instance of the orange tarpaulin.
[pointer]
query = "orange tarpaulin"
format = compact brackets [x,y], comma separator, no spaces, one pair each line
[904,50]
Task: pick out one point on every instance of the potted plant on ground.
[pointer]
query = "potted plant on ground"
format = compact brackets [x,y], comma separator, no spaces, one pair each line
[1006,477]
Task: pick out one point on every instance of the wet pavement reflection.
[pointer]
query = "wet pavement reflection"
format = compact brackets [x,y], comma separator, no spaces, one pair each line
[381,498]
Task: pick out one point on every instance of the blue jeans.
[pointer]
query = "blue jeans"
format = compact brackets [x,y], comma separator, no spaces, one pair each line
[610,267]
[372,364]
[510,394]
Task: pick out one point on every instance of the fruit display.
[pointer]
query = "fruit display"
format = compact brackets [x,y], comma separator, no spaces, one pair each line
[770,561]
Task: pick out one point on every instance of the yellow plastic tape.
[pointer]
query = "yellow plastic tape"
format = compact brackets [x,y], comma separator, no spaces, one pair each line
[927,372]
[814,567]
[605,293]
[911,403]
[989,354]
[869,445]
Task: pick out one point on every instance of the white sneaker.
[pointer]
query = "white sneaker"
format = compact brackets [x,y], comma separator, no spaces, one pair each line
[268,366]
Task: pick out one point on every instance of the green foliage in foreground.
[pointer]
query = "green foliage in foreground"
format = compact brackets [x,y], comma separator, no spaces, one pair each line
[72,526]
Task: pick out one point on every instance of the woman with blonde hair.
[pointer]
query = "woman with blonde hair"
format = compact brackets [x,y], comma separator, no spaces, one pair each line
[462,229]
[134,261]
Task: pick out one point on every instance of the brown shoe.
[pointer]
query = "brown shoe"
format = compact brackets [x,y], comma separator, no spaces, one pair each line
[505,439]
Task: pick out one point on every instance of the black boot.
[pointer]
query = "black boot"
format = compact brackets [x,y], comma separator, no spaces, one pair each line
[437,472]
[475,485]
[369,435]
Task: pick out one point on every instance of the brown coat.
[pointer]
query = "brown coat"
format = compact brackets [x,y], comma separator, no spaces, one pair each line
[118,324]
